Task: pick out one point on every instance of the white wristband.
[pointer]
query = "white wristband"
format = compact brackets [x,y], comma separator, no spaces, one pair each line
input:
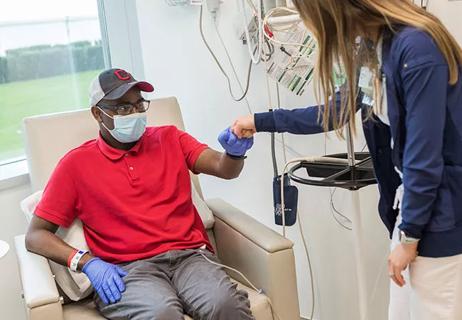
[76,258]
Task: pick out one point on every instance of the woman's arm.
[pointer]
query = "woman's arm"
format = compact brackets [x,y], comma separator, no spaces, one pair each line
[425,78]
[297,121]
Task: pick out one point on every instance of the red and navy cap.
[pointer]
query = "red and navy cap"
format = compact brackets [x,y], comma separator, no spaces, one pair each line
[114,83]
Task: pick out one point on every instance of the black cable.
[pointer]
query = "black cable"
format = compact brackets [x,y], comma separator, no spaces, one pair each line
[273,153]
[273,135]
[335,212]
[220,66]
[278,96]
[270,48]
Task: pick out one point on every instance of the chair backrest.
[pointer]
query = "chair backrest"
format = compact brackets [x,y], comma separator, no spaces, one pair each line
[49,137]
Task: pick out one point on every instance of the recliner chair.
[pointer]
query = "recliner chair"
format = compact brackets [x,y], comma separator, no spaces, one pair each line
[262,255]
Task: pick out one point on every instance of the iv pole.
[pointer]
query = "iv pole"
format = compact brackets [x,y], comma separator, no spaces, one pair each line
[357,235]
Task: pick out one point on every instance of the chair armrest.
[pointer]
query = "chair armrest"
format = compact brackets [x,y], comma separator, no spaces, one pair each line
[262,255]
[259,234]
[39,288]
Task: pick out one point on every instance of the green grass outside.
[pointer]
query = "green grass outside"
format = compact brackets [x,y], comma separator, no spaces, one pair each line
[26,98]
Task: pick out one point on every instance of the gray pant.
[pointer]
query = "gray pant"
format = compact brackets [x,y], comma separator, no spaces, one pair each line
[168,285]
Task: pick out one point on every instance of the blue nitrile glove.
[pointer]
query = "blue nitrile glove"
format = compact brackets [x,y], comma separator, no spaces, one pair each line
[106,279]
[233,145]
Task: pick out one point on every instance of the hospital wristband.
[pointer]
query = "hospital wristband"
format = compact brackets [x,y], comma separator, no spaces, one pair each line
[76,258]
[69,259]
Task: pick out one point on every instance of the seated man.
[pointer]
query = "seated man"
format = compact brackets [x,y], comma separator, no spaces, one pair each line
[131,189]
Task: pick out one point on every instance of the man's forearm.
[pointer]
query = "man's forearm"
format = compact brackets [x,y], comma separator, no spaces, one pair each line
[218,164]
[230,167]
[49,245]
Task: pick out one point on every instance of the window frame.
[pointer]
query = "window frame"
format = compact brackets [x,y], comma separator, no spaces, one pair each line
[121,43]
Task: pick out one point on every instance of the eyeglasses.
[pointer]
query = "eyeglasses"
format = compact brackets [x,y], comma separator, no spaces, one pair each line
[128,108]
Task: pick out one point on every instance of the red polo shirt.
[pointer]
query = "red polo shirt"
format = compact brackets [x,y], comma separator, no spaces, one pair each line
[133,204]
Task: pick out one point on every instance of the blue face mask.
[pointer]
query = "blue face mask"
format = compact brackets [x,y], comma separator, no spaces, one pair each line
[127,128]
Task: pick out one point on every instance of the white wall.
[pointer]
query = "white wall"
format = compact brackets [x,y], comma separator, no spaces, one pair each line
[449,12]
[12,223]
[178,64]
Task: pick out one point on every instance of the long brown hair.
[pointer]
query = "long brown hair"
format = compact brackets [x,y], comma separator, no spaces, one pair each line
[336,25]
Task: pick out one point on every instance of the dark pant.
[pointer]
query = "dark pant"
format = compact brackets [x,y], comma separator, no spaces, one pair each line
[182,281]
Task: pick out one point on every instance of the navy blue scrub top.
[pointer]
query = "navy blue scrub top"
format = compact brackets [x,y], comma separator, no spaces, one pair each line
[425,114]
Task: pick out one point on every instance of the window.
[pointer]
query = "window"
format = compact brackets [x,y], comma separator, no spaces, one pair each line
[50,50]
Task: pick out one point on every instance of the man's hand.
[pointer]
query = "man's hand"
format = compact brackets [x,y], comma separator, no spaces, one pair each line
[222,165]
[106,279]
[399,260]
[244,127]
[233,145]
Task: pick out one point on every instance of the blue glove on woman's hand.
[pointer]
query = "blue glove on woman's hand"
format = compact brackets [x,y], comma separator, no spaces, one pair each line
[106,279]
[233,145]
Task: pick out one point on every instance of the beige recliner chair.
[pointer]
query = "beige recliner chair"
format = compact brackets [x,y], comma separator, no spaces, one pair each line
[262,255]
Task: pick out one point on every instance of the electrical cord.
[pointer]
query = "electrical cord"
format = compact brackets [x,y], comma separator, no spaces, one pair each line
[305,246]
[273,148]
[243,96]
[273,154]
[284,146]
[335,212]
[333,209]
[233,68]
[313,296]
[273,135]
[267,55]
[260,291]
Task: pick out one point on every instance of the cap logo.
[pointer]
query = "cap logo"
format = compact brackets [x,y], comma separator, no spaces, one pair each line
[122,75]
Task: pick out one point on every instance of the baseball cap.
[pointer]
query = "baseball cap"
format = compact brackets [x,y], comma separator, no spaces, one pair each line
[114,83]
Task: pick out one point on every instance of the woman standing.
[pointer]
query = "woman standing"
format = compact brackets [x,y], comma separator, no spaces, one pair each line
[403,72]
